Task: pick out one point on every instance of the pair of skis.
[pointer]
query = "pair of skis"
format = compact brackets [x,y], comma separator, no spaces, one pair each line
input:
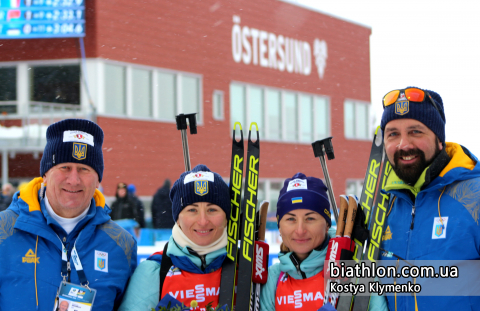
[374,205]
[243,228]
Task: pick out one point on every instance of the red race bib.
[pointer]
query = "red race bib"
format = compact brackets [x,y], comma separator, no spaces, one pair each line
[186,286]
[306,294]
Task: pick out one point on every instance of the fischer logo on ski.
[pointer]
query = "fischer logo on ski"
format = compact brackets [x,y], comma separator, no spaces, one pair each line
[236,182]
[245,297]
[229,267]
[376,228]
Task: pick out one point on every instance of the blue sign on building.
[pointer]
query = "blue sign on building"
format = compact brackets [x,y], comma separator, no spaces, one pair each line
[28,19]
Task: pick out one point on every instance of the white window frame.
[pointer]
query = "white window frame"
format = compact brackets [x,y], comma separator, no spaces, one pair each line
[220,117]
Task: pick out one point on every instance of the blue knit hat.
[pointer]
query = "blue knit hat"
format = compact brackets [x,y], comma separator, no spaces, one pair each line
[74,141]
[424,112]
[199,185]
[302,192]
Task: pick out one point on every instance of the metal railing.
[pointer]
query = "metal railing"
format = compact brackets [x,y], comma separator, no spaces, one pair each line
[28,131]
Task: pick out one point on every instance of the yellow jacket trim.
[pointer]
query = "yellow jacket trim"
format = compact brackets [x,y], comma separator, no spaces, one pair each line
[458,158]
[29,195]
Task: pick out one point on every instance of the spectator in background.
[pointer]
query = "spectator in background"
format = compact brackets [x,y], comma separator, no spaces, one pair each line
[6,198]
[123,207]
[162,217]
[131,190]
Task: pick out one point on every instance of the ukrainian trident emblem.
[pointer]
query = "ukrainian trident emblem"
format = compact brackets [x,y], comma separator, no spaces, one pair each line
[201,187]
[79,151]
[439,230]
[101,263]
[402,105]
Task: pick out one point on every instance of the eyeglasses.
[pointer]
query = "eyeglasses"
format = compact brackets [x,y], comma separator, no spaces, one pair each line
[412,94]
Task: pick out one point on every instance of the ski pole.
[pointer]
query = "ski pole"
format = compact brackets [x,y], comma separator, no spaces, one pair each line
[320,147]
[182,126]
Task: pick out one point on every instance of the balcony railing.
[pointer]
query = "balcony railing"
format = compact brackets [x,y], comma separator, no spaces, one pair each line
[28,131]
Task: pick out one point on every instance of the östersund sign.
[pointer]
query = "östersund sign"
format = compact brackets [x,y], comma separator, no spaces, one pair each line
[259,47]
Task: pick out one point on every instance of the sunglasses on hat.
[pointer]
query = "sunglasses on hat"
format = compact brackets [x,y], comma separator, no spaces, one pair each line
[412,94]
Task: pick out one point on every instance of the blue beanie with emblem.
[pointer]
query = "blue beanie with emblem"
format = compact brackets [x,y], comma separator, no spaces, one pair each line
[302,192]
[424,112]
[73,141]
[199,185]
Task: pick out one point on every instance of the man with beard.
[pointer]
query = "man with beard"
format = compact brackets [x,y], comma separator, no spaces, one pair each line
[434,189]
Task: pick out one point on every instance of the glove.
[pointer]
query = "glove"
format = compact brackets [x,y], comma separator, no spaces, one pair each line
[327,307]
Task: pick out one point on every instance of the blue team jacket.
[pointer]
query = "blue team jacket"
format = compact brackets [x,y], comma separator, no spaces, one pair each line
[424,240]
[30,253]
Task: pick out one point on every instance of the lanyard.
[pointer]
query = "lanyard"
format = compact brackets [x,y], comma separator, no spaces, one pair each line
[66,268]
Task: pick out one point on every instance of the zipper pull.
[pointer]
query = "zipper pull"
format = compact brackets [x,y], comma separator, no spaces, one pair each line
[413,217]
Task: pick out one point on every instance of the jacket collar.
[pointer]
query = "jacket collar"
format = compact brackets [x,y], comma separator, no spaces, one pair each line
[312,265]
[451,163]
[33,218]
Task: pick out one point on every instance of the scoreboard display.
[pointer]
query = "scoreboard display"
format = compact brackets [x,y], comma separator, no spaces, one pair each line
[28,19]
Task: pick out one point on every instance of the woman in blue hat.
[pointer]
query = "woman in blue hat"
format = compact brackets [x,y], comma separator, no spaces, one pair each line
[195,251]
[303,219]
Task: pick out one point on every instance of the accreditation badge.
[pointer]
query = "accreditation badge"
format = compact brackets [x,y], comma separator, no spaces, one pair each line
[74,297]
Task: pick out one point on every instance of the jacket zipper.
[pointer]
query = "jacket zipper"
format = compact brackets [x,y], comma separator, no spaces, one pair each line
[413,217]
[297,266]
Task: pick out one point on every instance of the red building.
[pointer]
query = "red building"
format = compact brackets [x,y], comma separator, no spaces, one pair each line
[302,75]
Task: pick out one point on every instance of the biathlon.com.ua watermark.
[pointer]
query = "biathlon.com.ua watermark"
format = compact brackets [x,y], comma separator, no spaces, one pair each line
[427,278]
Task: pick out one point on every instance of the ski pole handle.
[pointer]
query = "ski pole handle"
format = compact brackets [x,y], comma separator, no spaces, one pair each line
[320,147]
[343,216]
[182,125]
[352,213]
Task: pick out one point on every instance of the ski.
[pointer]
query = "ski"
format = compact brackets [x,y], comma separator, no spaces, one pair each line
[248,224]
[229,267]
[345,301]
[260,271]
[376,227]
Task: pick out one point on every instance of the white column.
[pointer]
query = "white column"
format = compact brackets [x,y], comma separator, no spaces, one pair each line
[23,88]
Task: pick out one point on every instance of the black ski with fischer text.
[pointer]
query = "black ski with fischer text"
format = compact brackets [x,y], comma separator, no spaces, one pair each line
[370,185]
[229,267]
[376,229]
[248,224]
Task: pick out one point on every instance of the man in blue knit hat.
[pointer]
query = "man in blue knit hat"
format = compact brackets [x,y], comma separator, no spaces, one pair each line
[59,241]
[434,189]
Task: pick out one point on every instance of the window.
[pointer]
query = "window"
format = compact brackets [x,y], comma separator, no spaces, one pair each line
[256,106]
[280,115]
[115,99]
[306,124]
[322,123]
[237,105]
[8,89]
[190,96]
[291,116]
[217,105]
[56,84]
[167,100]
[274,115]
[142,93]
[356,118]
